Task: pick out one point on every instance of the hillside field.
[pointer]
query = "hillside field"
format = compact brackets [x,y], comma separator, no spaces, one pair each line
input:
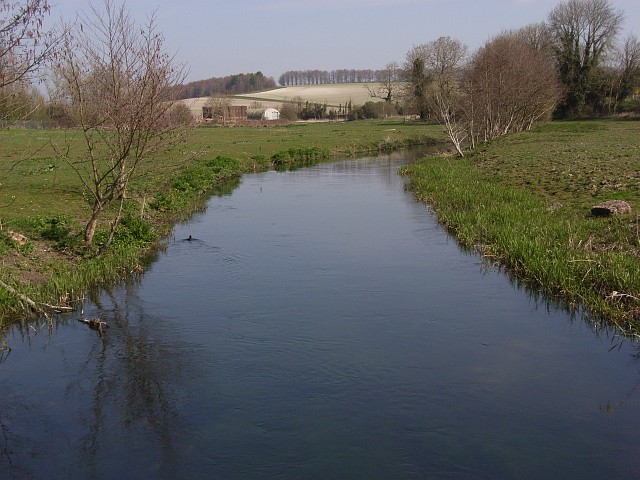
[332,95]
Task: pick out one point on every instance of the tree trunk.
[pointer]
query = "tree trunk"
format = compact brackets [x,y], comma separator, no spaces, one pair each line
[90,229]
[114,225]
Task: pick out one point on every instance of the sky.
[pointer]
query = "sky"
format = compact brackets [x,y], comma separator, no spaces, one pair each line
[215,38]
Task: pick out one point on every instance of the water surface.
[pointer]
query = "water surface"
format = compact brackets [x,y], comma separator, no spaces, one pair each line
[320,324]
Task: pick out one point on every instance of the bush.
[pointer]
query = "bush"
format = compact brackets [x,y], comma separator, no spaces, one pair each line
[206,176]
[59,229]
[373,110]
[313,111]
[260,160]
[630,105]
[288,111]
[296,157]
[132,231]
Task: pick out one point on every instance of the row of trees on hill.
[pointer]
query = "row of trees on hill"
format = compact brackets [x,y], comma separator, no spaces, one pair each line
[229,85]
[323,77]
[569,66]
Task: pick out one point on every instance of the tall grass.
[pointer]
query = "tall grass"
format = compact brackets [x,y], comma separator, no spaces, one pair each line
[560,250]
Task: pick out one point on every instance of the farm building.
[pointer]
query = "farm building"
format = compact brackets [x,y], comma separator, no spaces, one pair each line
[271,114]
[231,114]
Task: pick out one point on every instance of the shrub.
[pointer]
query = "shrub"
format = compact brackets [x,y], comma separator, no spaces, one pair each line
[630,105]
[59,229]
[288,111]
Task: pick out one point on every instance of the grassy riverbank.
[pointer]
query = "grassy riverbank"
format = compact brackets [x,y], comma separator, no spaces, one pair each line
[42,199]
[524,202]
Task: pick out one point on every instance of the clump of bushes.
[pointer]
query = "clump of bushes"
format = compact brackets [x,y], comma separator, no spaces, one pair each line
[132,231]
[195,181]
[295,157]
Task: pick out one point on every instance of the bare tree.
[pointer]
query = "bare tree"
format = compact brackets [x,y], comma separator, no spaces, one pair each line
[625,71]
[180,115]
[24,43]
[583,31]
[434,71]
[536,35]
[388,77]
[118,82]
[444,59]
[24,46]
[509,87]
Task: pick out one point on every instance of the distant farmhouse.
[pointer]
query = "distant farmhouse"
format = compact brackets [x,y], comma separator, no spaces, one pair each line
[230,114]
[271,114]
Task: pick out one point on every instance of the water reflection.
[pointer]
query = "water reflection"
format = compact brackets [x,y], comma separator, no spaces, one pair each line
[106,401]
[321,325]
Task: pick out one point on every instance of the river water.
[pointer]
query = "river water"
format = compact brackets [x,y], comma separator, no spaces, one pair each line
[320,324]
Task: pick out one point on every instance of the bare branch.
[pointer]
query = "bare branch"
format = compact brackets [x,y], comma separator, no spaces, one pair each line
[118,84]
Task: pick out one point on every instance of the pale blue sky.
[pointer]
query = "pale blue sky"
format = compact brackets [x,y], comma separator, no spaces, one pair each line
[222,37]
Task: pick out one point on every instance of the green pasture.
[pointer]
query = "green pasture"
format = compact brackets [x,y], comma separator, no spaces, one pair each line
[35,182]
[42,198]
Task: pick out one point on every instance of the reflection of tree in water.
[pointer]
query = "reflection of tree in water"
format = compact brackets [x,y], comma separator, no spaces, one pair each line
[110,407]
[134,397]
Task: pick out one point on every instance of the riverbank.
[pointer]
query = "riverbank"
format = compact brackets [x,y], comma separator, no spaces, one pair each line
[524,203]
[44,209]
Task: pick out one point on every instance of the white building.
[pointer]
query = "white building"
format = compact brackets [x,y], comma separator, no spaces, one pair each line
[271,114]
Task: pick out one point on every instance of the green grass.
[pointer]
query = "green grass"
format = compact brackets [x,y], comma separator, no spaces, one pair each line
[524,201]
[42,198]
[39,184]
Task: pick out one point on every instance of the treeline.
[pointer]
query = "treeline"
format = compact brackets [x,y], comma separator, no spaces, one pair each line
[324,77]
[229,85]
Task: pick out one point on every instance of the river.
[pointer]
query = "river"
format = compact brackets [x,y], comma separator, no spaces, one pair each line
[320,324]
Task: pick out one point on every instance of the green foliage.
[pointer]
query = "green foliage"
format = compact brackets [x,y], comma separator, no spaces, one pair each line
[199,177]
[296,157]
[57,228]
[30,226]
[196,180]
[6,243]
[584,32]
[420,82]
[132,231]
[260,161]
[138,229]
[257,115]
[233,84]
